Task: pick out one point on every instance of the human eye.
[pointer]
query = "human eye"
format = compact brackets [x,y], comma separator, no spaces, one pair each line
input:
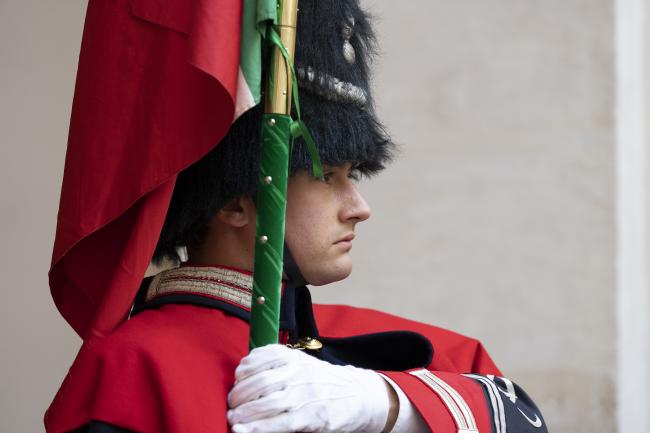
[355,175]
[327,176]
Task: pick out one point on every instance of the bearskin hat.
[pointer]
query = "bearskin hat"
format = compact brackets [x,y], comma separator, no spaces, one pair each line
[335,46]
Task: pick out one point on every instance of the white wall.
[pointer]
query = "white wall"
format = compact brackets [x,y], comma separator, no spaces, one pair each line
[633,355]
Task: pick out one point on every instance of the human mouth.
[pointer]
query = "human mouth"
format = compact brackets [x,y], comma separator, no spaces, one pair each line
[345,241]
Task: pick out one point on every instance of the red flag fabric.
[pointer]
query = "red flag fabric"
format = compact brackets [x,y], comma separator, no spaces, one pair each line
[155,91]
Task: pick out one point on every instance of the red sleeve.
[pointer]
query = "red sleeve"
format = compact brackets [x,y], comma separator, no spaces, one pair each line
[448,402]
[464,403]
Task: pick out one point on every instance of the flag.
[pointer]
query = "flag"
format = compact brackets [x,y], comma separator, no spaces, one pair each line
[256,15]
[158,85]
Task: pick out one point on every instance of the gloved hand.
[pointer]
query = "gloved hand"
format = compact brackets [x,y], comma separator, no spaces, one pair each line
[280,390]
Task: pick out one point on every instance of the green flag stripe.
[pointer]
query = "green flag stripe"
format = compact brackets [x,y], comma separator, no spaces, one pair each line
[256,15]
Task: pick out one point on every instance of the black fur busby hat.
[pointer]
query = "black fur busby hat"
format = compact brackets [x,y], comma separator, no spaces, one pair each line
[335,46]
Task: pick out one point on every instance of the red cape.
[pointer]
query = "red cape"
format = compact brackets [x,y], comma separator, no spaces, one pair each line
[155,91]
[169,370]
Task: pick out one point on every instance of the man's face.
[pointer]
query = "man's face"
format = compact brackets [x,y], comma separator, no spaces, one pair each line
[320,222]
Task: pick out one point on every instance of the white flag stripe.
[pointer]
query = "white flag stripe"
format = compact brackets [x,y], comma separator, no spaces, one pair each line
[244,99]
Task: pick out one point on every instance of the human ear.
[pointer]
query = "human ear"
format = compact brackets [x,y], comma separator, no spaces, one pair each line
[238,212]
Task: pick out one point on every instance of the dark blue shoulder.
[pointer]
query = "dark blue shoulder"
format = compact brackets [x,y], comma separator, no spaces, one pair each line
[511,408]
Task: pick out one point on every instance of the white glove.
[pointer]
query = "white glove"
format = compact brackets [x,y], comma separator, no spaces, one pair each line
[281,390]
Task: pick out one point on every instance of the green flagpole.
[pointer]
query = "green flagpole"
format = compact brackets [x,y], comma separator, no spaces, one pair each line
[273,174]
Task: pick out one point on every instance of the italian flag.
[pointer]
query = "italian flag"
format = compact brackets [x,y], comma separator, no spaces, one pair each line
[256,15]
[150,100]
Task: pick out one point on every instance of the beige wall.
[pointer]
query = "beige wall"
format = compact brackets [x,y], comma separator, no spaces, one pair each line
[497,221]
[39,44]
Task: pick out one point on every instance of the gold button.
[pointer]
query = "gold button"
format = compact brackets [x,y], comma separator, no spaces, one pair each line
[309,343]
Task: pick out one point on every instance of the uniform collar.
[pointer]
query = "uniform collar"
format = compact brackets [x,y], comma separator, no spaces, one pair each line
[227,284]
[230,290]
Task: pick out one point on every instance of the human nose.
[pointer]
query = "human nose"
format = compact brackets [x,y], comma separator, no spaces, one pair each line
[356,207]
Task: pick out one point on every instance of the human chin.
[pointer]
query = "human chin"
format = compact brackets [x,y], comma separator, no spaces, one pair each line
[330,271]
